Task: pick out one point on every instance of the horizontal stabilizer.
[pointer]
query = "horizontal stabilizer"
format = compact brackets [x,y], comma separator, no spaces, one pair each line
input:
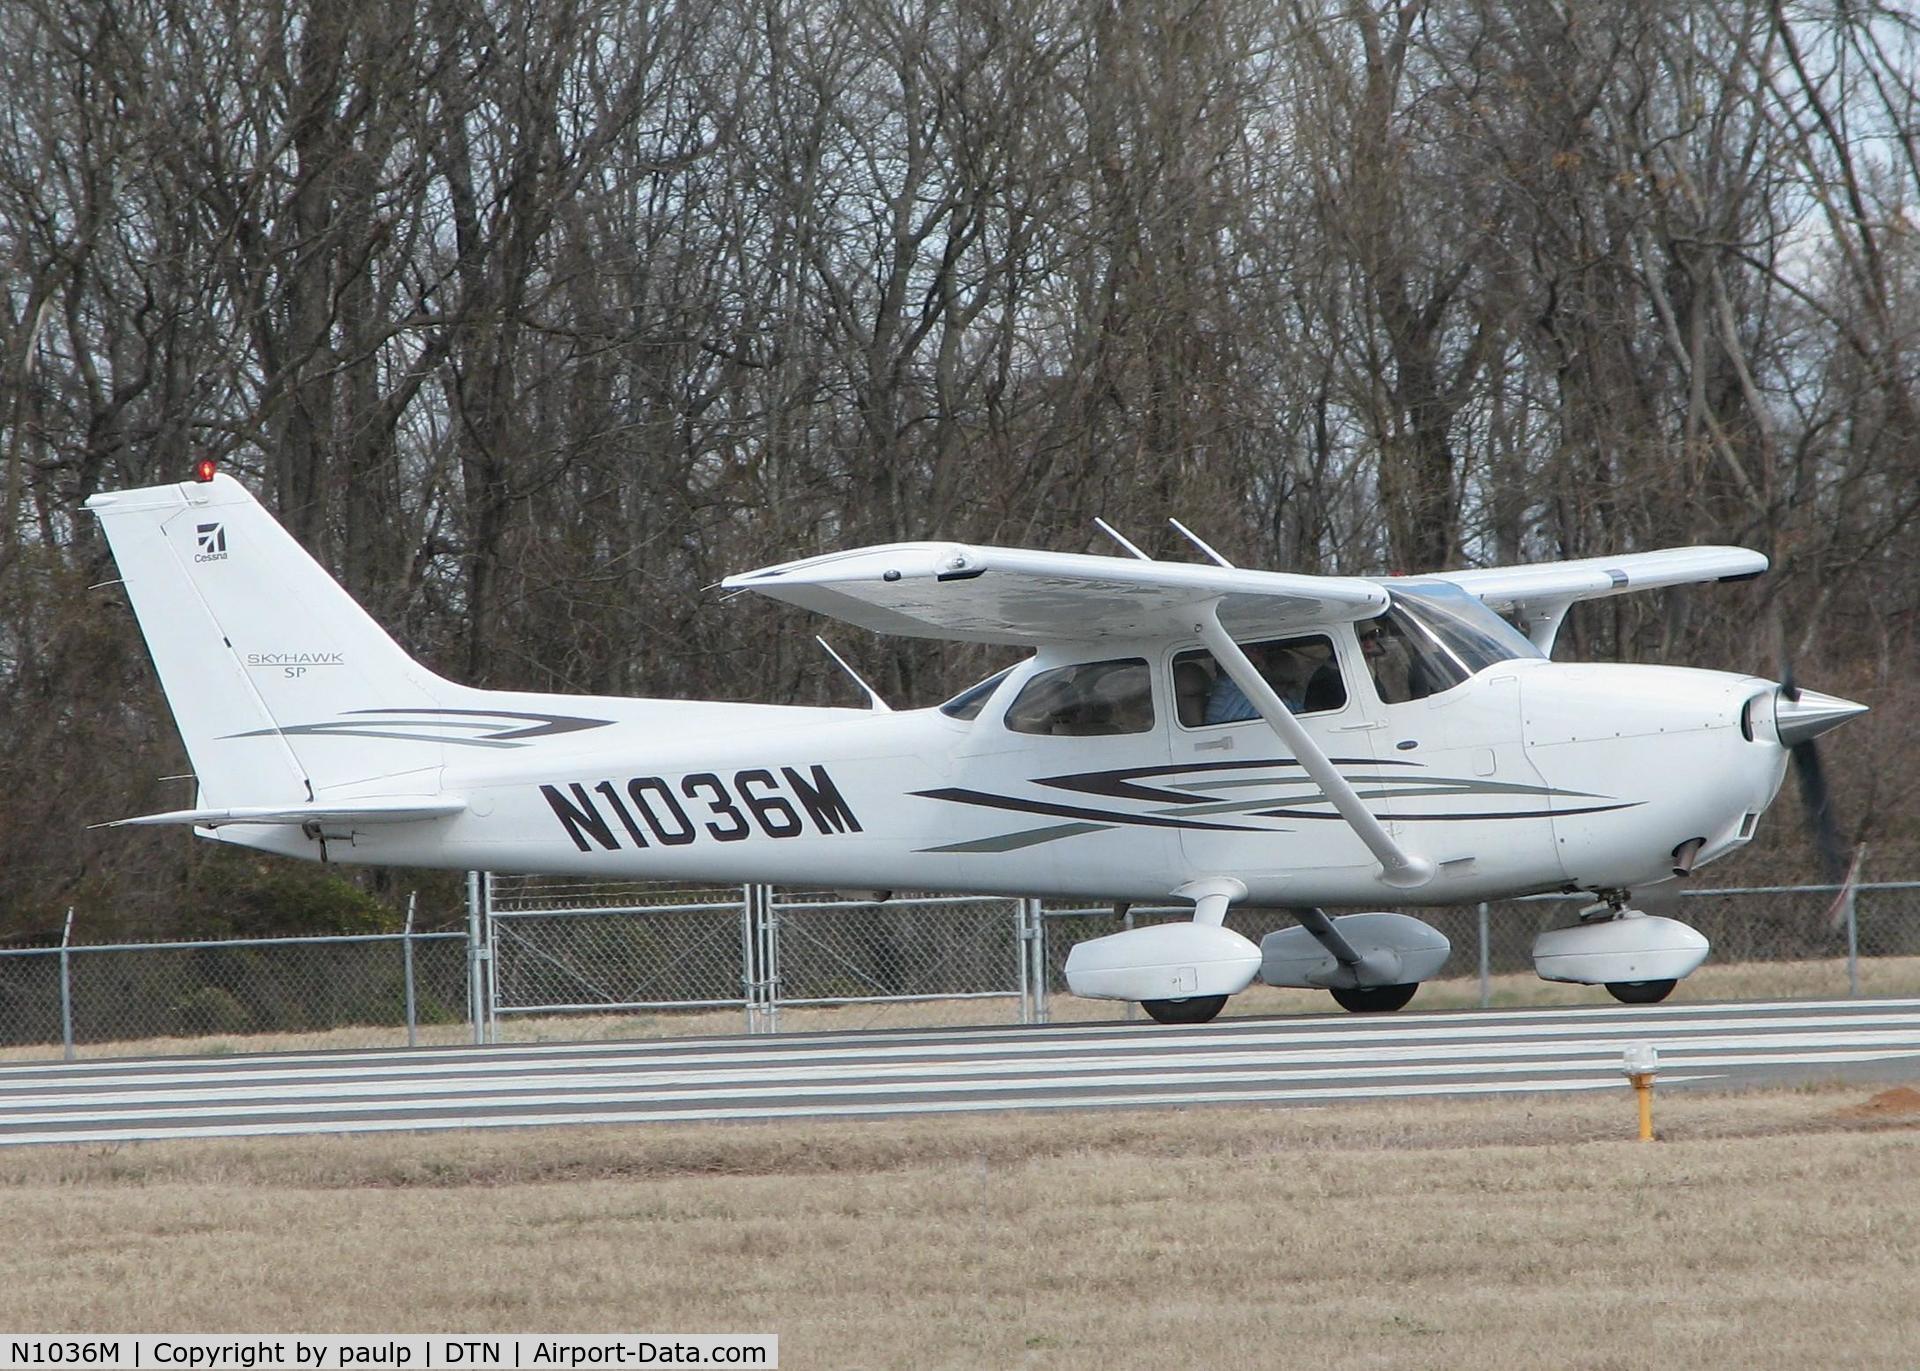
[397,809]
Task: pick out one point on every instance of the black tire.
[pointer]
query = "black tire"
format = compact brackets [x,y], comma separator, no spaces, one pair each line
[1375,999]
[1195,1009]
[1640,992]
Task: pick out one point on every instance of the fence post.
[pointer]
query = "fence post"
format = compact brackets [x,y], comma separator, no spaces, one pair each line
[761,932]
[1030,923]
[406,962]
[1126,925]
[1023,956]
[487,950]
[1042,998]
[476,1016]
[749,995]
[1486,959]
[770,922]
[66,989]
[1851,908]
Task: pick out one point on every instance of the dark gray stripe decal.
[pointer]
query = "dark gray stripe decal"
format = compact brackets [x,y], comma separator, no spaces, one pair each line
[1184,805]
[494,727]
[959,795]
[1453,818]
[1120,784]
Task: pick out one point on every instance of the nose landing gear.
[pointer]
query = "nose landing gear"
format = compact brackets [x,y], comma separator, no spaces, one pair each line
[1638,957]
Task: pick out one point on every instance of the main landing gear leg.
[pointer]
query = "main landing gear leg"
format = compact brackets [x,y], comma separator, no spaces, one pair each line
[1210,901]
[1364,998]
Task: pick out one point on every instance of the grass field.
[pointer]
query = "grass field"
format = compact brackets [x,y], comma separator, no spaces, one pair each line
[1746,981]
[1765,1229]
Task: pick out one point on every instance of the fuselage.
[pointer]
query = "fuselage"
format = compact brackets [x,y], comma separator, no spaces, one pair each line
[1303,737]
[1529,775]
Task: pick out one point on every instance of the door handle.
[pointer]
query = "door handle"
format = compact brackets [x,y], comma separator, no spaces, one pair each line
[1215,745]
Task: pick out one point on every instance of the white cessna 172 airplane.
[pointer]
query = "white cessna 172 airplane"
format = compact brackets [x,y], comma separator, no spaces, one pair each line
[1201,732]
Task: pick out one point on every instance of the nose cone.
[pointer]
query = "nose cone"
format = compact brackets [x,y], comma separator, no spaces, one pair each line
[1811,714]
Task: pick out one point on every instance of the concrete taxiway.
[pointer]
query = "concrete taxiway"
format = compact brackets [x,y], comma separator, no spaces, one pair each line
[1304,1060]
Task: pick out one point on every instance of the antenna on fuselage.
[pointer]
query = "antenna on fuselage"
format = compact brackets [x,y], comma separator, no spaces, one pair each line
[1199,542]
[1120,538]
[879,705]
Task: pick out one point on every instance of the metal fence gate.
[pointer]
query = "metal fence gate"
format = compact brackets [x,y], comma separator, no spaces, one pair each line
[551,948]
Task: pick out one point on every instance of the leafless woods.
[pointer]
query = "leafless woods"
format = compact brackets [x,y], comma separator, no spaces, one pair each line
[533,320]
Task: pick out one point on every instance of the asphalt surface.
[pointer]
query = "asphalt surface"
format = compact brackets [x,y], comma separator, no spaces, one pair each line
[1308,1060]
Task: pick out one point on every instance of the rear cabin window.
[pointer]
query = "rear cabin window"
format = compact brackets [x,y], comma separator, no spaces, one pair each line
[1303,672]
[1088,700]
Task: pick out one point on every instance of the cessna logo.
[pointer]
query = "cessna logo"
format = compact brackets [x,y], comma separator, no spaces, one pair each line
[213,542]
[649,809]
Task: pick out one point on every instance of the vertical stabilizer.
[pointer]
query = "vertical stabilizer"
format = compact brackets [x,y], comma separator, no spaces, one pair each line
[281,685]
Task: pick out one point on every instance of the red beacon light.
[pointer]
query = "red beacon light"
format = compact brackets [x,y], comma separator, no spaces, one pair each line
[204,469]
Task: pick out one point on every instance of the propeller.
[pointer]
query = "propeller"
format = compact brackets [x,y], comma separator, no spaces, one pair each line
[1799,717]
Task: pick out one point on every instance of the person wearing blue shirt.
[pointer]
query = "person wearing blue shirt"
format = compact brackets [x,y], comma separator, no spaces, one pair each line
[1282,669]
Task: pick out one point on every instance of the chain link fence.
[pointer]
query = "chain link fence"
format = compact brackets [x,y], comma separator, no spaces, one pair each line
[537,955]
[233,995]
[643,953]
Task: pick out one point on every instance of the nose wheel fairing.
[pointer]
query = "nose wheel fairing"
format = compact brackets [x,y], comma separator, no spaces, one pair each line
[1632,948]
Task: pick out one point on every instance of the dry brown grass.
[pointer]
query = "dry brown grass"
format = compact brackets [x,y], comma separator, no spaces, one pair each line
[1766,1229]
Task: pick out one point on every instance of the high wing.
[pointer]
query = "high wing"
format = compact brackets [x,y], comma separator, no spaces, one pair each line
[1506,587]
[1538,595]
[1013,595]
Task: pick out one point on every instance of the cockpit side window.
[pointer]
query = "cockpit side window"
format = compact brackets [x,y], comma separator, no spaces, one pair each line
[1304,673]
[1086,700]
[968,703]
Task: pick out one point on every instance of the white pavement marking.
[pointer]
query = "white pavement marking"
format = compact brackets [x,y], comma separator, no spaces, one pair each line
[747,1053]
[1353,1062]
[1288,1061]
[860,1110]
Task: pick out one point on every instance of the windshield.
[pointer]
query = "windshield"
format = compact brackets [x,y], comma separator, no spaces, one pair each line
[1432,639]
[1474,635]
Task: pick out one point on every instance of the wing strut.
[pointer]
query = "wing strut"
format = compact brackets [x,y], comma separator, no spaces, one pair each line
[1398,867]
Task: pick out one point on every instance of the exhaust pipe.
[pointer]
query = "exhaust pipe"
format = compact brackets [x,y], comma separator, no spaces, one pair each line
[1686,854]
